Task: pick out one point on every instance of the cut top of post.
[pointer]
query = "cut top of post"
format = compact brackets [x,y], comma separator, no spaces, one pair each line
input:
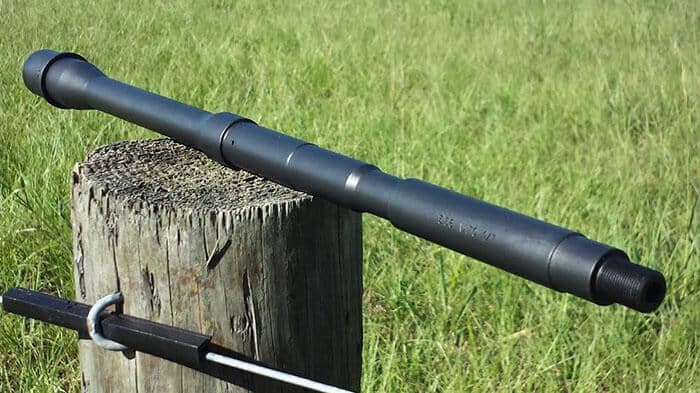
[164,173]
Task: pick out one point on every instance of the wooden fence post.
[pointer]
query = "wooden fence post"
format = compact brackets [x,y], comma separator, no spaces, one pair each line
[269,272]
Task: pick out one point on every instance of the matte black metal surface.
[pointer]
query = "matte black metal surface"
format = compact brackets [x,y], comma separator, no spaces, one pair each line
[167,342]
[47,308]
[544,253]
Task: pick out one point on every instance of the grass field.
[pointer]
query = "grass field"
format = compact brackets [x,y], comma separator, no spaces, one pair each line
[582,113]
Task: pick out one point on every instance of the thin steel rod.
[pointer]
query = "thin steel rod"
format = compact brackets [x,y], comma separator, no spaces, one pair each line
[273,374]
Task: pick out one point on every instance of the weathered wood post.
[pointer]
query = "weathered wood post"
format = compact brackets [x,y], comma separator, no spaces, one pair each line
[269,272]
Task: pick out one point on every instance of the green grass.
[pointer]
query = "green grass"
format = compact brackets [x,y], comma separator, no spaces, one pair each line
[581,113]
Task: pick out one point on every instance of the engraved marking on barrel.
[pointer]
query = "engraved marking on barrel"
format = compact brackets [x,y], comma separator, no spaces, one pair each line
[465,228]
[445,220]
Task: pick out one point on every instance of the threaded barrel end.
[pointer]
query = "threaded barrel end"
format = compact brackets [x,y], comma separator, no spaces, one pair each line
[629,284]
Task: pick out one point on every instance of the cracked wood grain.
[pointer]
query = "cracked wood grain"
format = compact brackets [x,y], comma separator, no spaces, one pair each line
[268,272]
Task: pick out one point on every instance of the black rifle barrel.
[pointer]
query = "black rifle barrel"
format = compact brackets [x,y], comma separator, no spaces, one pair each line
[550,255]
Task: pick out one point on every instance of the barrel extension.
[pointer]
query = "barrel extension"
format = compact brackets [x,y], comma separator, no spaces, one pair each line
[547,254]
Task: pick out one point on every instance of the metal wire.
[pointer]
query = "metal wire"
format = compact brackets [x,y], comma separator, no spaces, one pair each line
[273,374]
[93,323]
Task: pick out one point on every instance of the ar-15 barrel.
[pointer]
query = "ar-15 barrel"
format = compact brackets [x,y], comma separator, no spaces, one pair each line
[550,255]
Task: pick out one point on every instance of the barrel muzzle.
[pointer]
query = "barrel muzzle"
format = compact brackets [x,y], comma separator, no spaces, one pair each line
[620,281]
[604,275]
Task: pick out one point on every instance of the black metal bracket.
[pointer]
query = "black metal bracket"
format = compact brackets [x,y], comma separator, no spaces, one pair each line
[177,345]
[167,342]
